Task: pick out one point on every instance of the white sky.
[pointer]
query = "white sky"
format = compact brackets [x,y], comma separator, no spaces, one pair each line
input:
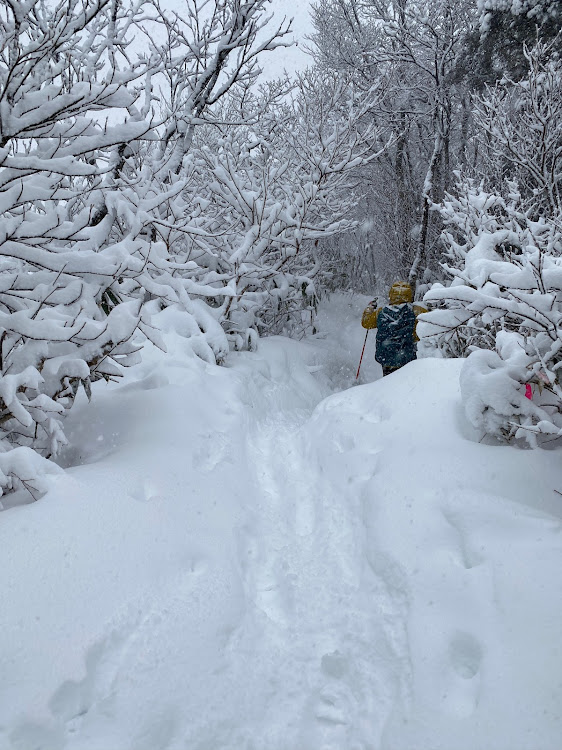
[293,58]
[290,59]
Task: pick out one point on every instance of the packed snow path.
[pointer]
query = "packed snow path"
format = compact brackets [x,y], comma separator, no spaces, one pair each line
[325,612]
[237,559]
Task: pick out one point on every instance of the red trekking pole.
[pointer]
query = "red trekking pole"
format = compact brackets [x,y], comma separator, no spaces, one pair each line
[362,353]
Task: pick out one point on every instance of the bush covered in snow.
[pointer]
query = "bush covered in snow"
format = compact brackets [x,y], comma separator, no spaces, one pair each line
[503,310]
[69,282]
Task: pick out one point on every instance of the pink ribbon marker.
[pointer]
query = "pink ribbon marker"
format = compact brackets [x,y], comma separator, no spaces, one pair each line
[528,391]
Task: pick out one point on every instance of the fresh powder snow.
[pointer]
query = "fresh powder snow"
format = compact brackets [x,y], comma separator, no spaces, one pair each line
[262,556]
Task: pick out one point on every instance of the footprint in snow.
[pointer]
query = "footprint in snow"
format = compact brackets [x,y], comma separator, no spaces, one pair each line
[465,655]
[336,717]
[74,700]
[213,449]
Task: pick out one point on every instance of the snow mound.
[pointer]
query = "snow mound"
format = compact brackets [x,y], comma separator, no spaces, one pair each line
[465,537]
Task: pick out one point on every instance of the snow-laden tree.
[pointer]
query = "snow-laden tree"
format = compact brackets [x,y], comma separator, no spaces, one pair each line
[210,52]
[263,173]
[413,45]
[109,215]
[209,63]
[272,190]
[67,315]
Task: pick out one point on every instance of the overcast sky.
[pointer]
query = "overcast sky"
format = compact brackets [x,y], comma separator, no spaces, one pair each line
[290,59]
[294,58]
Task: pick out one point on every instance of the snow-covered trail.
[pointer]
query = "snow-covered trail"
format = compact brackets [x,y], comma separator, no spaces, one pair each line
[336,625]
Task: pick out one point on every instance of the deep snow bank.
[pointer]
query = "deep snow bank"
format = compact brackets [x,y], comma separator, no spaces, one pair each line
[469,537]
[226,566]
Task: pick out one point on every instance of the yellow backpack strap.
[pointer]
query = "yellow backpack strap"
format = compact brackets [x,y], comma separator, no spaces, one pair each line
[370,314]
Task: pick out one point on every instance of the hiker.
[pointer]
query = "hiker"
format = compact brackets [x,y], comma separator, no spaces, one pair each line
[396,327]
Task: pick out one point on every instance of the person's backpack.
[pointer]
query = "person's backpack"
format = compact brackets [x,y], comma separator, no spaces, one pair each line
[395,335]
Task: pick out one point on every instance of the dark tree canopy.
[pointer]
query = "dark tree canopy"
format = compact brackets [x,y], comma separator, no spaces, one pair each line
[494,46]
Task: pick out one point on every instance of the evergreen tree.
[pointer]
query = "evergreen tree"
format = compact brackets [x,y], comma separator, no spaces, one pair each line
[494,47]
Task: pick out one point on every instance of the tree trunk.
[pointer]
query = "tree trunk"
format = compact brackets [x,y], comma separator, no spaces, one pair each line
[426,205]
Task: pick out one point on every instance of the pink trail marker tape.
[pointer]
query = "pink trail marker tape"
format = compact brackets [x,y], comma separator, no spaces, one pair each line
[528,391]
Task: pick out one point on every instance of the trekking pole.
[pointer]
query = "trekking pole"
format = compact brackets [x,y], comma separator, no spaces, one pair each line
[362,353]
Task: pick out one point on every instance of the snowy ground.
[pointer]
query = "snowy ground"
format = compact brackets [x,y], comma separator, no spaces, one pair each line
[237,559]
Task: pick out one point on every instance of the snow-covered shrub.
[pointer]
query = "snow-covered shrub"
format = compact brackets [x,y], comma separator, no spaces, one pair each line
[503,310]
[76,253]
